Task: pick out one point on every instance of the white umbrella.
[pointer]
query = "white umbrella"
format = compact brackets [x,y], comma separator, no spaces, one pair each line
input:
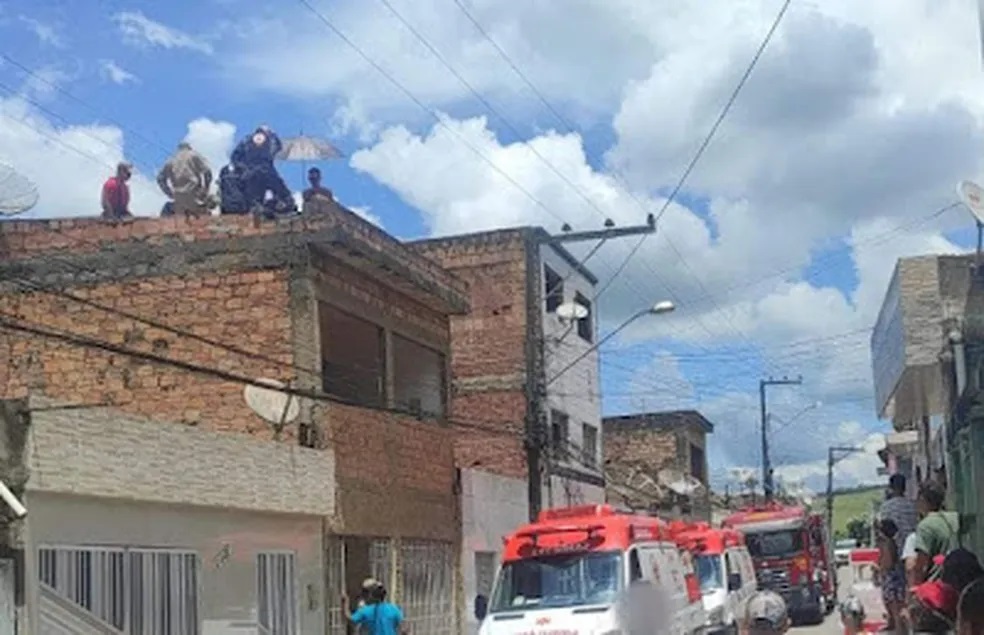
[304,148]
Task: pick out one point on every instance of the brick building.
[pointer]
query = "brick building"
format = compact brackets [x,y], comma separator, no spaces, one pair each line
[506,358]
[328,304]
[641,450]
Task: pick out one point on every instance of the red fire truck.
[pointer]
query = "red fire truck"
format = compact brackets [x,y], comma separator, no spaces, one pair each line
[792,555]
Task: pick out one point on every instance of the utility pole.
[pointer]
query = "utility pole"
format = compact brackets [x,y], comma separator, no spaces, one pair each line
[766,465]
[538,460]
[834,454]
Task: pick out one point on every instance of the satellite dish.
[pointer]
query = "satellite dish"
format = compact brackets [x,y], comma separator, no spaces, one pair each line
[17,192]
[683,484]
[272,404]
[972,195]
[570,311]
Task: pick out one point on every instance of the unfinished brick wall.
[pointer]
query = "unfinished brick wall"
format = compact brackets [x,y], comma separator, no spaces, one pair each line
[247,310]
[488,353]
[395,474]
[254,289]
[653,448]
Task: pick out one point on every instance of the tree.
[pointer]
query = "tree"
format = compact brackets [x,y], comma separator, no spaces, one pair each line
[859,529]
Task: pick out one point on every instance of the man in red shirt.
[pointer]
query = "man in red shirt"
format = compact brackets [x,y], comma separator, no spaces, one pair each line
[116,194]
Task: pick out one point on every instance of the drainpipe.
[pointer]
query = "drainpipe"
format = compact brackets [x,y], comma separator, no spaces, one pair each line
[960,372]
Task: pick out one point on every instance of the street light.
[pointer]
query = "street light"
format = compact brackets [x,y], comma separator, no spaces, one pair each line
[660,308]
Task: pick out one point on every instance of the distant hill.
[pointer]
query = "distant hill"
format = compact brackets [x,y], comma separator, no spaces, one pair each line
[849,503]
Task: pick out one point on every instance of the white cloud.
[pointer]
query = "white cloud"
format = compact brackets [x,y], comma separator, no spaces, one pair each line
[47,34]
[139,30]
[212,139]
[116,74]
[68,164]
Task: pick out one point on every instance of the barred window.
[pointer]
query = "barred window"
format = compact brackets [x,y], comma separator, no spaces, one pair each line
[136,591]
[276,592]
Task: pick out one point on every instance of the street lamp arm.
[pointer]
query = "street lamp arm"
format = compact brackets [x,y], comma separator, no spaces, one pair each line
[598,344]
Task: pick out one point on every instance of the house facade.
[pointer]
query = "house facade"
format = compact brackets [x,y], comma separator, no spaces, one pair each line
[926,358]
[508,359]
[647,454]
[161,323]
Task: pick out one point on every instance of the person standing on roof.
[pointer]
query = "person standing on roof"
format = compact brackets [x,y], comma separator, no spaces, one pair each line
[253,160]
[116,194]
[317,192]
[186,178]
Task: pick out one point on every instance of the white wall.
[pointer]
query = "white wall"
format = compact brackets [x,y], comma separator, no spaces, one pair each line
[577,391]
[226,542]
[492,506]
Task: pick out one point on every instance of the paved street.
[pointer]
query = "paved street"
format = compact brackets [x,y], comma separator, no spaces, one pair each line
[830,626]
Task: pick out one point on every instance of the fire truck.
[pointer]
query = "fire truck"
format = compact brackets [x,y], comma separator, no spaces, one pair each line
[792,555]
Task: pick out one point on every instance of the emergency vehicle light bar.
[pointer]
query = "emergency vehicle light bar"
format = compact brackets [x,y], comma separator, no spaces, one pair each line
[533,534]
[579,511]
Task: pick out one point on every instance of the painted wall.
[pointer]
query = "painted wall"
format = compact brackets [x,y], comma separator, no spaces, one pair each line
[577,391]
[491,507]
[226,541]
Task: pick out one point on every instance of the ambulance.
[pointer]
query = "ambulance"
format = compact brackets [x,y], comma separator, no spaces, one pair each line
[580,571]
[725,570]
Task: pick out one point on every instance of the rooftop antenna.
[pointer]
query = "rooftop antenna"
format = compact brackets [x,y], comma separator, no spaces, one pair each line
[17,192]
[268,400]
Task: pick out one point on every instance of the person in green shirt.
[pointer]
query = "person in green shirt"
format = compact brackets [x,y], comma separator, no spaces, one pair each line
[937,534]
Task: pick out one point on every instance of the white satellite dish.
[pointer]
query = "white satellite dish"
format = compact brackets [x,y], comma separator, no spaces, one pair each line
[17,192]
[570,311]
[972,195]
[272,403]
[683,484]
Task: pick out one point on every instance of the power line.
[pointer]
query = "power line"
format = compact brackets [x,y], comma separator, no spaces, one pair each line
[707,139]
[53,85]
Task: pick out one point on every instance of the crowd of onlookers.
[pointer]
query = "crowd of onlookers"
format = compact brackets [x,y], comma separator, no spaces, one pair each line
[249,184]
[930,583]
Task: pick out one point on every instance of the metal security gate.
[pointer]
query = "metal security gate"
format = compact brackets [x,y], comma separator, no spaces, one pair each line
[418,574]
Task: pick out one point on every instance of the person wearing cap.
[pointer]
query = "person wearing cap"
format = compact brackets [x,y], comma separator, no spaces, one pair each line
[764,614]
[376,616]
[186,178]
[116,193]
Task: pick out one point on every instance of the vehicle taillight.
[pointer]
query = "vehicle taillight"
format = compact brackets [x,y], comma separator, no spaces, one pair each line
[693,588]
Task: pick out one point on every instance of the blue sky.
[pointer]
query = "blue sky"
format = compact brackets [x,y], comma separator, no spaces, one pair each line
[777,251]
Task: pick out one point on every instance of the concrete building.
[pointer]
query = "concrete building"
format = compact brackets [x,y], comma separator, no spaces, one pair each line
[351,319]
[507,358]
[924,351]
[643,450]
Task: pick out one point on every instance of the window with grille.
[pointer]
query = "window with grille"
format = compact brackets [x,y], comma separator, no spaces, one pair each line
[276,592]
[419,378]
[553,289]
[352,357]
[136,591]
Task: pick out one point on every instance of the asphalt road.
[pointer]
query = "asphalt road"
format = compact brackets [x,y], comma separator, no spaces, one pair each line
[832,625]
